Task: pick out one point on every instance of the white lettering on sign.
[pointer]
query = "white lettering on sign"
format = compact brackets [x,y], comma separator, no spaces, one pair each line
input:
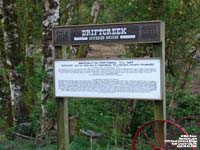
[80,38]
[133,78]
[127,36]
[104,32]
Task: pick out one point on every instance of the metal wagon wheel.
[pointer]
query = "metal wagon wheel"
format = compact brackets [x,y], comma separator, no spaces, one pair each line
[149,136]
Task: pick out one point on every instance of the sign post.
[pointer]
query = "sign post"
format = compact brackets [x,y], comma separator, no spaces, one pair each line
[160,107]
[62,112]
[123,78]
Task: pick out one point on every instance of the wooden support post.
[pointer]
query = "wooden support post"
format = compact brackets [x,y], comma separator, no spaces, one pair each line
[62,114]
[163,70]
[62,124]
[160,106]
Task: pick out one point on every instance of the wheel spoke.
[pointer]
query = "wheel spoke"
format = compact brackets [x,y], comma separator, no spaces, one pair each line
[146,145]
[147,137]
[156,134]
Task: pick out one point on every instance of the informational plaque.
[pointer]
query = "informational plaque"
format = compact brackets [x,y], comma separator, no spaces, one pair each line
[139,32]
[124,79]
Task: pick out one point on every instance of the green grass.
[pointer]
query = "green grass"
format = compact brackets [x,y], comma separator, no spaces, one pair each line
[23,145]
[6,144]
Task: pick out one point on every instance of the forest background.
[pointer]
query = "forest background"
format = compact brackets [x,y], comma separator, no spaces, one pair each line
[27,105]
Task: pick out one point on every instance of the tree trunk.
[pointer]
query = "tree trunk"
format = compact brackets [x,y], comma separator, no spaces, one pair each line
[4,85]
[82,51]
[95,10]
[2,51]
[29,62]
[28,28]
[70,11]
[50,18]
[14,56]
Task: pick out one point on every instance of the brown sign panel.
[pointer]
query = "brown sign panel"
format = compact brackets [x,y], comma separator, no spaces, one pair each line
[140,32]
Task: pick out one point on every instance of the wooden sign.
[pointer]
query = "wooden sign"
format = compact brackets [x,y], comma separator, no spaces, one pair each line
[125,79]
[141,32]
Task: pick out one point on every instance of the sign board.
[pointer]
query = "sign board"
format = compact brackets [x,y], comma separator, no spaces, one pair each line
[141,32]
[125,79]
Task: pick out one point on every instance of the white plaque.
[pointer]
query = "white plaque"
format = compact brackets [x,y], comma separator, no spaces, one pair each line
[124,79]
